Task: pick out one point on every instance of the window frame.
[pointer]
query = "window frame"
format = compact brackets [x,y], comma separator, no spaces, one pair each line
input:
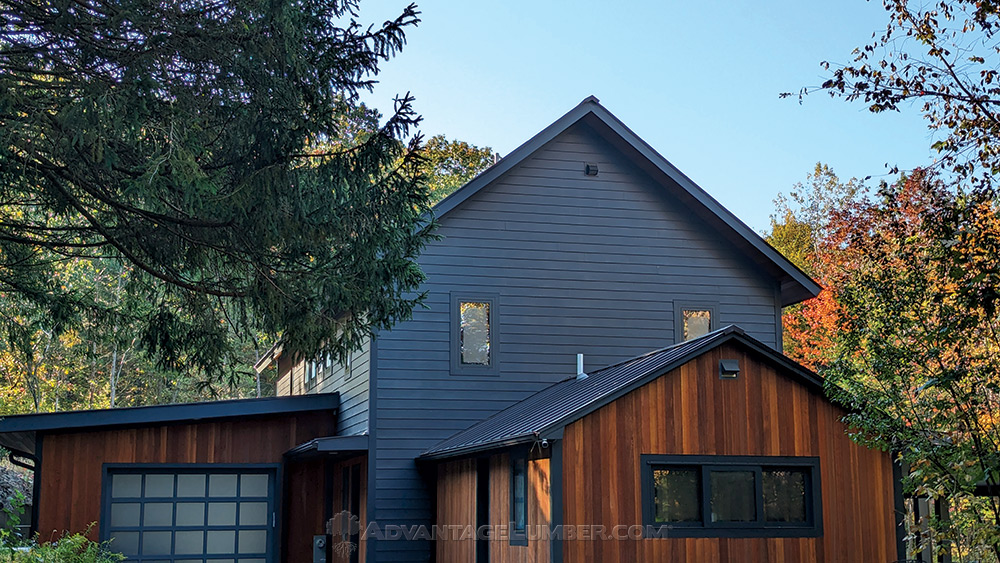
[310,375]
[273,526]
[681,306]
[454,336]
[757,529]
[519,537]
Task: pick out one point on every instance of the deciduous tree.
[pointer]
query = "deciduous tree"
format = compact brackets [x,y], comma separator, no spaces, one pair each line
[941,57]
[800,229]
[451,164]
[917,347]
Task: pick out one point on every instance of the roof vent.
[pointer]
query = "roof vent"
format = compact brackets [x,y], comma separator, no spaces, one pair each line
[729,369]
[580,374]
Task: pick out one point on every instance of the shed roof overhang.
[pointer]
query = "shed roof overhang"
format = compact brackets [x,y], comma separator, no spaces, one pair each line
[335,447]
[18,433]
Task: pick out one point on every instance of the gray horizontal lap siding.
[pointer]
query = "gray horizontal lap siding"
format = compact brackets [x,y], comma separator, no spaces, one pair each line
[579,264]
[352,415]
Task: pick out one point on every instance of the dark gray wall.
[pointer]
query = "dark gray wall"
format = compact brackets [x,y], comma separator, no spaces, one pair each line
[352,416]
[579,264]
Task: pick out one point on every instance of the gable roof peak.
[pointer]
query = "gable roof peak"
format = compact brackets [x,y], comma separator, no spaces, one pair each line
[795,285]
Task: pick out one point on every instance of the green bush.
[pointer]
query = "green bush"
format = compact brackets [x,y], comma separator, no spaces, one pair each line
[74,548]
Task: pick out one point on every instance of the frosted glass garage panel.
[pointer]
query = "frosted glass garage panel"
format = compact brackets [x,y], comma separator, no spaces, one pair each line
[190,516]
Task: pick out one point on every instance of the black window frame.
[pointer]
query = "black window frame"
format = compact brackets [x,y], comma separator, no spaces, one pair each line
[681,306]
[272,526]
[518,537]
[455,331]
[758,529]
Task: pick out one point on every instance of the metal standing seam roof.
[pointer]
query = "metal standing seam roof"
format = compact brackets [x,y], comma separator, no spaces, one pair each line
[545,413]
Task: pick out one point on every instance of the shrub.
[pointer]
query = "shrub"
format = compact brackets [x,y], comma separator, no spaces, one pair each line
[73,548]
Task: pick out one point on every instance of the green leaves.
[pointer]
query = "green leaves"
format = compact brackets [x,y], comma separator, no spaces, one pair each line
[186,141]
[917,350]
[449,165]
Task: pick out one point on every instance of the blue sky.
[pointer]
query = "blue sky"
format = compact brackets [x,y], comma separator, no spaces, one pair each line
[699,81]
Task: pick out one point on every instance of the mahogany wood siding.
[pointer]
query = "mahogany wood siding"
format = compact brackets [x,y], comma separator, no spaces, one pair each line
[692,411]
[304,508]
[336,480]
[539,511]
[72,467]
[577,263]
[456,506]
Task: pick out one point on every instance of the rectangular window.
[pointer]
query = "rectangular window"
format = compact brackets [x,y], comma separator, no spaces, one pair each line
[697,322]
[677,491]
[694,320]
[518,500]
[310,374]
[732,496]
[474,335]
[482,508]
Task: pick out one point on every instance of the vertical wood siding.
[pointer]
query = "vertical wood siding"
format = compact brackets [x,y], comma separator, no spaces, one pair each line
[72,467]
[538,511]
[456,506]
[337,476]
[579,264]
[304,508]
[692,411]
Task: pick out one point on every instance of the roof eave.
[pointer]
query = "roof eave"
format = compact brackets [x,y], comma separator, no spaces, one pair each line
[465,451]
[796,285]
[166,414]
[272,355]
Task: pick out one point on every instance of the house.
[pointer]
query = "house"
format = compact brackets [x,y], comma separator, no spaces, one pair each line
[681,434]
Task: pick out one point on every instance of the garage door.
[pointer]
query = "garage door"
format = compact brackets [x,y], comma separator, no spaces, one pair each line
[220,515]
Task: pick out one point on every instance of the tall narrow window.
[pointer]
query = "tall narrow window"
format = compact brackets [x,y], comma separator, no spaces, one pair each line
[518,499]
[482,508]
[310,373]
[474,335]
